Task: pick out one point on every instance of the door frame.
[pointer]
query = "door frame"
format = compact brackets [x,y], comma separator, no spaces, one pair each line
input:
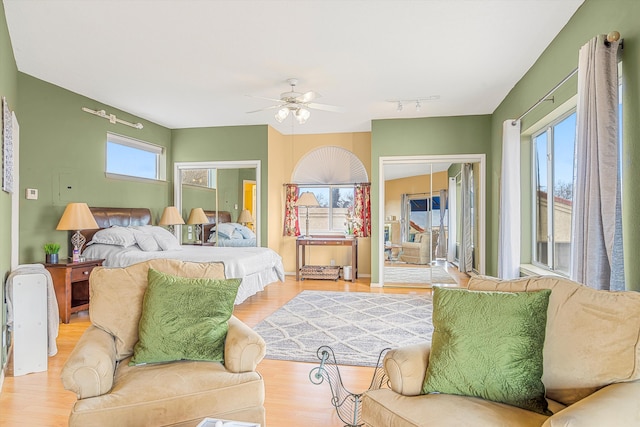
[481,159]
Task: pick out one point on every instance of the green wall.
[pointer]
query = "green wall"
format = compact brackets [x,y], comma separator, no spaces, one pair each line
[427,136]
[62,154]
[228,143]
[8,89]
[559,59]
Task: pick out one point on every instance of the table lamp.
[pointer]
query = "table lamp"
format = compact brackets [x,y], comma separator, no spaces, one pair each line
[77,216]
[197,217]
[170,217]
[308,200]
[245,217]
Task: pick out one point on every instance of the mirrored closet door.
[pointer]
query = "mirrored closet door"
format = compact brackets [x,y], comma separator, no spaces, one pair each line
[228,194]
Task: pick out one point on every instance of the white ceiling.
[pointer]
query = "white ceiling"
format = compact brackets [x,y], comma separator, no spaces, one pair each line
[407,169]
[192,63]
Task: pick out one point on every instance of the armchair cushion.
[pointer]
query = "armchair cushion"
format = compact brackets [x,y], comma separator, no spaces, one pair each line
[489,345]
[184,318]
[117,293]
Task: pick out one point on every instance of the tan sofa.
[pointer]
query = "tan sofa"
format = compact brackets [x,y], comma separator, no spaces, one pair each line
[591,367]
[110,392]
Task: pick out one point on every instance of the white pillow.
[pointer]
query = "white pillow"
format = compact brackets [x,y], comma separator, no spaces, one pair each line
[115,235]
[144,239]
[228,230]
[246,232]
[165,239]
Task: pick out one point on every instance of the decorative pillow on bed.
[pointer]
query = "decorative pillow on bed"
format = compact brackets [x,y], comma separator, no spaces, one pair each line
[246,232]
[165,239]
[145,240]
[115,235]
[228,231]
[489,345]
[184,318]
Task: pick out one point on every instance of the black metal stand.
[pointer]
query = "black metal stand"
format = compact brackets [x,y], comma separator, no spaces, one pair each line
[347,404]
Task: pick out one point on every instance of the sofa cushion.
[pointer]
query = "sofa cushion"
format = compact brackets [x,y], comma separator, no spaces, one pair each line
[383,408]
[489,345]
[116,295]
[184,318]
[592,338]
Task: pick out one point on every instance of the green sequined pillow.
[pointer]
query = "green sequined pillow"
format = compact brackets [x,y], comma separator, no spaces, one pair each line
[489,345]
[184,319]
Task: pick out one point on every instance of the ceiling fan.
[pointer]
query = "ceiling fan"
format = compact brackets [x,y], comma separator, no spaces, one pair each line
[296,103]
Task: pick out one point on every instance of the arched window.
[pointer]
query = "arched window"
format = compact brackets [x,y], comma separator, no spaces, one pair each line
[339,181]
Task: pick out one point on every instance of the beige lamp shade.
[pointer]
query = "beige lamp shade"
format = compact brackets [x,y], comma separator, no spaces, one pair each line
[171,216]
[197,216]
[307,199]
[245,217]
[77,216]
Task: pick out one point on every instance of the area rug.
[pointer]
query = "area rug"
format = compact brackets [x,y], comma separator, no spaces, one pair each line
[356,325]
[417,275]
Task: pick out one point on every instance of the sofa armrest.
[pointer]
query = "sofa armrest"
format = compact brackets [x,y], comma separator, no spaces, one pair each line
[244,348]
[90,368]
[613,405]
[406,368]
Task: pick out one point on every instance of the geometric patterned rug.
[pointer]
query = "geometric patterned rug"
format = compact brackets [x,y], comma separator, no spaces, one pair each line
[357,325]
[434,274]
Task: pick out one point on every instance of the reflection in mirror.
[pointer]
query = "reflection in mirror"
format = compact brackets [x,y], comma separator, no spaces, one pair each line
[198,191]
[222,190]
[422,230]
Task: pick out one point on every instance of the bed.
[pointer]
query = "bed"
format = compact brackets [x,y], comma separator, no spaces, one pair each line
[127,237]
[230,234]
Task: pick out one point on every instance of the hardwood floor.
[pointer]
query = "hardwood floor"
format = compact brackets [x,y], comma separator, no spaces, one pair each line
[291,399]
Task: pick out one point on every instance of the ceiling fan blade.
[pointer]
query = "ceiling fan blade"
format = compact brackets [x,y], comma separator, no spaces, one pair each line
[325,107]
[262,97]
[308,97]
[267,108]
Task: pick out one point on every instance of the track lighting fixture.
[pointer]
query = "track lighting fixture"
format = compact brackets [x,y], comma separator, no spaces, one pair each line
[418,102]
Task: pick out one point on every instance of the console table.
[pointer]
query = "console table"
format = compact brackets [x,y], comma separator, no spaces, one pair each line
[302,242]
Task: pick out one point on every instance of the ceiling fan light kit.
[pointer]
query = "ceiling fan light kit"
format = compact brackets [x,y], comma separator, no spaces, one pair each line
[297,103]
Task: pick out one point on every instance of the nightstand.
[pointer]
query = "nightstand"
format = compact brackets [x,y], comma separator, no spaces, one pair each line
[71,283]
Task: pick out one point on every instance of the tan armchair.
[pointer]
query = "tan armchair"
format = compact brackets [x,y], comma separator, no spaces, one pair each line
[421,250]
[110,392]
[591,373]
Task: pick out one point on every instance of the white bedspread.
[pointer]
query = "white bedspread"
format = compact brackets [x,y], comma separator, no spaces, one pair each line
[256,266]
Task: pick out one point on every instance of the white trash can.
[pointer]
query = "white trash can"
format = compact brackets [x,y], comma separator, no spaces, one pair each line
[346,272]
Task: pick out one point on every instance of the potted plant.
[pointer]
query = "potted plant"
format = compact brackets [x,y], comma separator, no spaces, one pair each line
[51,252]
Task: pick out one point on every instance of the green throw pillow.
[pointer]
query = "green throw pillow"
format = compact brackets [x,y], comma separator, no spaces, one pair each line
[184,319]
[489,345]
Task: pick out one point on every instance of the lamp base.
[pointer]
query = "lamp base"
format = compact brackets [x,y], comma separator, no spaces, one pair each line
[77,241]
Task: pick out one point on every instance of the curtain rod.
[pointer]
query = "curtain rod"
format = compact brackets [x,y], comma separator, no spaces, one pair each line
[545,98]
[611,37]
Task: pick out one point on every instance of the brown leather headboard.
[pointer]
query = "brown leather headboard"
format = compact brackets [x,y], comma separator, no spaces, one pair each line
[124,217]
[223,216]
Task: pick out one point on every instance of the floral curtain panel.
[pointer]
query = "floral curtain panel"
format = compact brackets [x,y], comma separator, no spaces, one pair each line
[291,224]
[362,210]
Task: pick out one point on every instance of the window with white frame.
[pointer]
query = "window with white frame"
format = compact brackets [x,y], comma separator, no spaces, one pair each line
[331,215]
[553,163]
[134,158]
